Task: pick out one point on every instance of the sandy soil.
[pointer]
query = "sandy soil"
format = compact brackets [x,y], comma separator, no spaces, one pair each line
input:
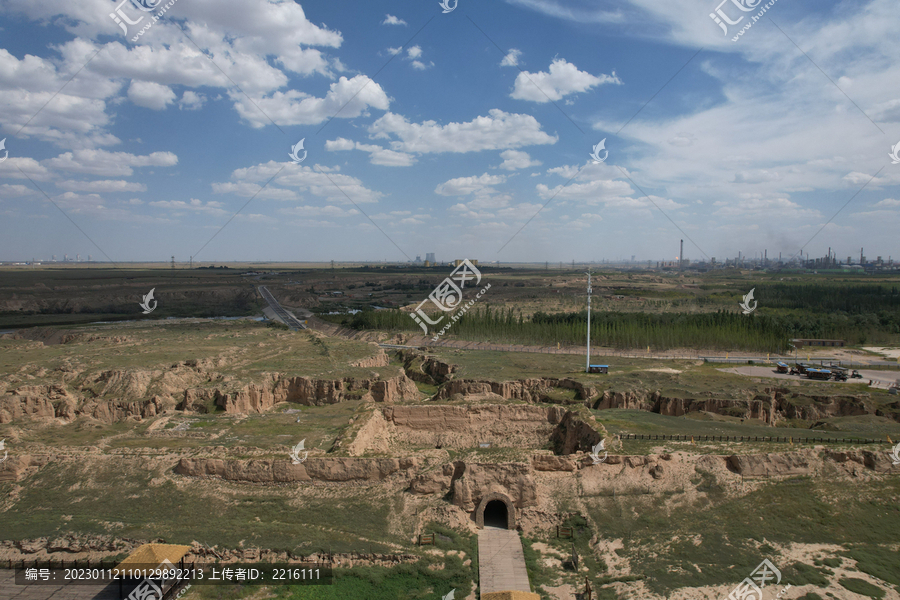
[888,352]
[880,379]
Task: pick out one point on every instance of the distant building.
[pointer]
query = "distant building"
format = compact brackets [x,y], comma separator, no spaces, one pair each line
[459,261]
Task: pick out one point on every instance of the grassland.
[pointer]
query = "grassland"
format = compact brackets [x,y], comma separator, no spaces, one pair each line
[436,573]
[121,498]
[117,479]
[242,349]
[672,378]
[863,520]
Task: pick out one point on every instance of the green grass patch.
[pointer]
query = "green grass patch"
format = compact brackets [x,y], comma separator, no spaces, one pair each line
[403,582]
[718,540]
[861,587]
[878,562]
[104,497]
[802,574]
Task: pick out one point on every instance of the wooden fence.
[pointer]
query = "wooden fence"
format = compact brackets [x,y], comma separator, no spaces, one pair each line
[746,438]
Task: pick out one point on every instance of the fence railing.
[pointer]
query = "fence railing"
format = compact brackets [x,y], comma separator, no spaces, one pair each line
[745,438]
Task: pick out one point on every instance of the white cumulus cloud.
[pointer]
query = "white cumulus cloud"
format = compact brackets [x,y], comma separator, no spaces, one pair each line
[462,186]
[511,59]
[392,20]
[498,130]
[150,95]
[563,79]
[516,159]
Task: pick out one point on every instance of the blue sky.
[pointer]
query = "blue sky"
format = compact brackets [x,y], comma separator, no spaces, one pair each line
[448,132]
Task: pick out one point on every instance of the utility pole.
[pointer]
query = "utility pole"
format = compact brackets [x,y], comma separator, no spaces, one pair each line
[681,256]
[588,367]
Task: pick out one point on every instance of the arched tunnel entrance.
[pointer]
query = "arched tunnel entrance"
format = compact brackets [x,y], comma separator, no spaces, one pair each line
[496,510]
[495,514]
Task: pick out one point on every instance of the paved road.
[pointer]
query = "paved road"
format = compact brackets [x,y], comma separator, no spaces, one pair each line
[283,315]
[878,379]
[501,561]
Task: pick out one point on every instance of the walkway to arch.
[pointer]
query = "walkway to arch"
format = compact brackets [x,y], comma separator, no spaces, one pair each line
[501,561]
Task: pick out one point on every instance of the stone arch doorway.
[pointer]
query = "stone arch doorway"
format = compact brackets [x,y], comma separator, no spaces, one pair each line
[496,510]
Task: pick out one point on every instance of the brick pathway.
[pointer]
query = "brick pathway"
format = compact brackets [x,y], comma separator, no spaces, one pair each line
[501,561]
[10,591]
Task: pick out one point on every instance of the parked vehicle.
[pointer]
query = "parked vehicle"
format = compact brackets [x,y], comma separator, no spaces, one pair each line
[839,373]
[801,368]
[855,375]
[781,367]
[818,373]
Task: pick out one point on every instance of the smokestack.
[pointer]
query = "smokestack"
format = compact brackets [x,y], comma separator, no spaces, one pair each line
[681,256]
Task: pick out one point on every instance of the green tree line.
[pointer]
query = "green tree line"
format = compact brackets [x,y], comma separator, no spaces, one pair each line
[722,330]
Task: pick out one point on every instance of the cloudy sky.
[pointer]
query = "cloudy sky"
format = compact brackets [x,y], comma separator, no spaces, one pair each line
[464,133]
